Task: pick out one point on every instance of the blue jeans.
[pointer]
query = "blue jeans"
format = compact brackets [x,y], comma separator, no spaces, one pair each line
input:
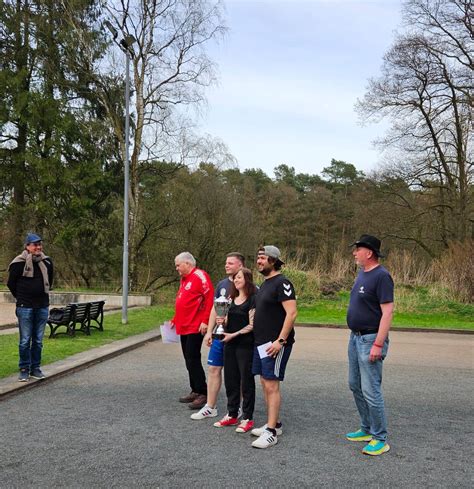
[31,323]
[365,382]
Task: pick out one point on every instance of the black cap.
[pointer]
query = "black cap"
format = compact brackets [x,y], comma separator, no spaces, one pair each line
[370,242]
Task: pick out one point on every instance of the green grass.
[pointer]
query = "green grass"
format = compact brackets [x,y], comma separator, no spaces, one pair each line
[420,307]
[63,346]
[414,307]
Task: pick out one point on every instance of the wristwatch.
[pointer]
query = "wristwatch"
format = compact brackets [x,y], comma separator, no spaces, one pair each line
[281,341]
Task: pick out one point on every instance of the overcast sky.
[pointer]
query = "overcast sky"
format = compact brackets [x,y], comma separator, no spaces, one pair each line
[289,75]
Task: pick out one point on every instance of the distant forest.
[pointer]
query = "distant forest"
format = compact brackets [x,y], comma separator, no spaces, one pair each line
[62,150]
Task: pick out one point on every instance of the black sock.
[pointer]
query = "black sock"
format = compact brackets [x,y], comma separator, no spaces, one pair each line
[278,425]
[272,431]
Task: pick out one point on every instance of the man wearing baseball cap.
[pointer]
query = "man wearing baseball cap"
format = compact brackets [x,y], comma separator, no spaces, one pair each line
[275,314]
[30,279]
[369,317]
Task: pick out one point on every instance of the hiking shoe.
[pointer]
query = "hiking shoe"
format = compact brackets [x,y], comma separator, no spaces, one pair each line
[245,425]
[24,375]
[189,398]
[205,412]
[37,374]
[358,435]
[226,421]
[199,402]
[376,447]
[265,440]
[259,431]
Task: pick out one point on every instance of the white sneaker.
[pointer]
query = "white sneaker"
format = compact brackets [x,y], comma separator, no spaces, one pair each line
[259,431]
[205,412]
[265,440]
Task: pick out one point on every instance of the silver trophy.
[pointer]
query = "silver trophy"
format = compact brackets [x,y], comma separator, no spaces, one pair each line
[221,305]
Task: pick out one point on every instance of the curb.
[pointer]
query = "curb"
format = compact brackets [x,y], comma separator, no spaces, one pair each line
[9,386]
[392,329]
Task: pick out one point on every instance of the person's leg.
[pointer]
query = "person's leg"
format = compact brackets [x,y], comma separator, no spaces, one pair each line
[273,398]
[215,363]
[184,343]
[214,382]
[40,317]
[371,386]
[244,355]
[194,365]
[232,380]
[355,384]
[25,325]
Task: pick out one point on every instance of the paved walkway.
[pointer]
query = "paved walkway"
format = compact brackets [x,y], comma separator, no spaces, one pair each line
[118,424]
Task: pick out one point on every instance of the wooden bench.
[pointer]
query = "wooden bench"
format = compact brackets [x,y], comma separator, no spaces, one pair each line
[77,317]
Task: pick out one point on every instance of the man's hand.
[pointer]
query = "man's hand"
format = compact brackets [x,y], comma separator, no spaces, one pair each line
[274,349]
[208,339]
[375,353]
[203,328]
[220,320]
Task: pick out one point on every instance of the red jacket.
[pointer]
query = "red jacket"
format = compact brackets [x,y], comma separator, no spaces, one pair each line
[194,302]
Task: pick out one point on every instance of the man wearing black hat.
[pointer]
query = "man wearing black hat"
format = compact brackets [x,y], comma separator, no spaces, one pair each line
[30,279]
[369,317]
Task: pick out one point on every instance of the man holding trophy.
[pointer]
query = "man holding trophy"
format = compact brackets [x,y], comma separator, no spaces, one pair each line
[234,262]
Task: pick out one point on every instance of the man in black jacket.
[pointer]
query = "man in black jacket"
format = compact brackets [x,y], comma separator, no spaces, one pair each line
[30,279]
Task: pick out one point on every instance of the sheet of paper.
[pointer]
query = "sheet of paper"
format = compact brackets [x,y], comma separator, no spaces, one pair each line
[262,349]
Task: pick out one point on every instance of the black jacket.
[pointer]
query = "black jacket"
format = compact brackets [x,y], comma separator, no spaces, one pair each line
[29,292]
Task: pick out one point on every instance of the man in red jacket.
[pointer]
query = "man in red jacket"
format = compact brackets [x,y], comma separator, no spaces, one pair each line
[193,306]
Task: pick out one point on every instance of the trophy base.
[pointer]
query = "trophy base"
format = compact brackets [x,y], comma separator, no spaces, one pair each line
[219,337]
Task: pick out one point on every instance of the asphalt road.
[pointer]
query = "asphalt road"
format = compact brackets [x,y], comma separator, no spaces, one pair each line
[118,424]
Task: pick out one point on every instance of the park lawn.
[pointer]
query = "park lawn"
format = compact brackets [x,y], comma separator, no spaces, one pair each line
[140,320]
[414,310]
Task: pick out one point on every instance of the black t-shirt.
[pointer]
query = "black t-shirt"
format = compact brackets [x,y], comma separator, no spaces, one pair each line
[238,318]
[269,311]
[369,291]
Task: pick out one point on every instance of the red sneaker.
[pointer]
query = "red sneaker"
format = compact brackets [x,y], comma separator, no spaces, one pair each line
[226,421]
[245,425]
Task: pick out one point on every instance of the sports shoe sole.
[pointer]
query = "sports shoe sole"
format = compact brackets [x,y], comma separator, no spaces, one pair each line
[383,450]
[360,438]
[37,377]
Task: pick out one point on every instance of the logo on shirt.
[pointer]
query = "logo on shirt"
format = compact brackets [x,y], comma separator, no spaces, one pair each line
[361,290]
[287,289]
[187,286]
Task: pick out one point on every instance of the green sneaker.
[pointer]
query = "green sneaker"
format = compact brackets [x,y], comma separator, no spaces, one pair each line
[358,435]
[376,447]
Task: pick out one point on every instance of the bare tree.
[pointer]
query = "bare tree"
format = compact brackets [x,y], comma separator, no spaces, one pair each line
[170,73]
[426,90]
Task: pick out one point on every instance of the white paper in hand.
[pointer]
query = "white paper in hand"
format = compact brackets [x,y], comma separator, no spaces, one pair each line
[168,333]
[262,349]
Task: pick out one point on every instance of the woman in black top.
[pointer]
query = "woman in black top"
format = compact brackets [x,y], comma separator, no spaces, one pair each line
[238,353]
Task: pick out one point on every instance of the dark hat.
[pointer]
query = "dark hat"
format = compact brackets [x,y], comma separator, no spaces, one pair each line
[370,242]
[32,238]
[272,252]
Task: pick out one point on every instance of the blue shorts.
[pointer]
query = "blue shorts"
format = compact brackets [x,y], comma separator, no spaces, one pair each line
[216,354]
[271,368]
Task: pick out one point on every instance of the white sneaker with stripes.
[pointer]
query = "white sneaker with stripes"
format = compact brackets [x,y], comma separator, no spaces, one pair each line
[205,412]
[265,440]
[259,431]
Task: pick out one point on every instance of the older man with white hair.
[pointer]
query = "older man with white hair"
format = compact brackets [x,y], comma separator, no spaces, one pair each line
[193,306]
